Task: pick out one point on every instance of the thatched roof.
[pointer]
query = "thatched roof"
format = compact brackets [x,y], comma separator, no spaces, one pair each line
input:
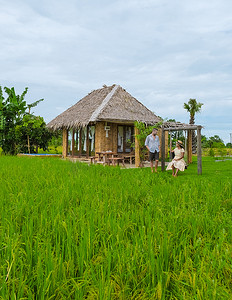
[110,103]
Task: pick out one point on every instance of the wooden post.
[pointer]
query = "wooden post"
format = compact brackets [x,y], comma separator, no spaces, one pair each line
[189,154]
[170,146]
[76,140]
[185,145]
[199,160]
[80,141]
[87,142]
[137,149]
[65,143]
[162,149]
[73,141]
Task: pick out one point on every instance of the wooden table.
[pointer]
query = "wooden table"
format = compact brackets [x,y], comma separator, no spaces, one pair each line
[104,155]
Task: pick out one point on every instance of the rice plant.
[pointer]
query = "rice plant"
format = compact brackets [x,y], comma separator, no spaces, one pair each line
[74,231]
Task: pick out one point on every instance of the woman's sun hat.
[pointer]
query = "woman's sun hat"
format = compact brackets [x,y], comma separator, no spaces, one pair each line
[180,143]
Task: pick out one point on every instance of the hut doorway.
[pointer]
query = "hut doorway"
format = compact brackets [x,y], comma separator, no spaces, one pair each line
[125,138]
[81,142]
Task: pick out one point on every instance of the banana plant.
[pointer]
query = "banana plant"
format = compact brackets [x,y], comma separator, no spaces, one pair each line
[29,106]
[16,103]
[12,112]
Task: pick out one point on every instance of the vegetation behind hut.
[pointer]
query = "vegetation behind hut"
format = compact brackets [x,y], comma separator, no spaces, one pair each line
[20,130]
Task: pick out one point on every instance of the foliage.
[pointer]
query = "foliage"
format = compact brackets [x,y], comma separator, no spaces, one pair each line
[34,104]
[16,123]
[193,107]
[11,112]
[211,152]
[31,134]
[204,141]
[57,139]
[212,142]
[73,231]
[144,131]
[55,144]
[217,152]
[229,145]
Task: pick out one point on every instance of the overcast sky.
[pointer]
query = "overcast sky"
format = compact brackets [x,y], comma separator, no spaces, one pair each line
[162,52]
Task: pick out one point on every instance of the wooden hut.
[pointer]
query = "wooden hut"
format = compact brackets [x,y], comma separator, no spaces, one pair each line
[102,121]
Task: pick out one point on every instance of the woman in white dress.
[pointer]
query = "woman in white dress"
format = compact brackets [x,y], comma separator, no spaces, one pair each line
[178,162]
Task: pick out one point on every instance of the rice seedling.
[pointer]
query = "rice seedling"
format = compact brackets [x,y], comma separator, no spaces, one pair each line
[73,231]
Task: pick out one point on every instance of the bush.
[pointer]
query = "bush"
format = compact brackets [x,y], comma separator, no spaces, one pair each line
[211,152]
[222,152]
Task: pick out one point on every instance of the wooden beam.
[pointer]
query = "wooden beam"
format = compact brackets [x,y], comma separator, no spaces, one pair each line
[65,143]
[162,149]
[199,159]
[181,128]
[137,149]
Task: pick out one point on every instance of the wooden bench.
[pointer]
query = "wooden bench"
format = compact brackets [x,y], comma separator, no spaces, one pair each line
[130,157]
[93,159]
[117,160]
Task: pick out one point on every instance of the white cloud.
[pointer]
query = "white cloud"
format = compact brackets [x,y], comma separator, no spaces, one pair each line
[162,52]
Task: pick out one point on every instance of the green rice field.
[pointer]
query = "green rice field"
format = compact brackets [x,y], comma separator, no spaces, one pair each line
[74,231]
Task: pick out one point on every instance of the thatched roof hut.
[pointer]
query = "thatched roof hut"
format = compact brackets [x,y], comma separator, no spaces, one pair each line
[110,103]
[103,121]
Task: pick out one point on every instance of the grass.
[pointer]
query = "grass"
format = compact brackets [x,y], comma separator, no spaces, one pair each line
[73,231]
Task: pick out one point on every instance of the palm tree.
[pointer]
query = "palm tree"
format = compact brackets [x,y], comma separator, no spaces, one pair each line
[193,107]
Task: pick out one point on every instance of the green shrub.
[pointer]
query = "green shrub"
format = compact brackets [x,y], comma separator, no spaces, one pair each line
[211,152]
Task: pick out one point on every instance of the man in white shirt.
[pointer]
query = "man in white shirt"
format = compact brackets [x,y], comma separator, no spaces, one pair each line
[153,146]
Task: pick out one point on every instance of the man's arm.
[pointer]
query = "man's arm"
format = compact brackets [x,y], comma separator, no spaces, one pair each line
[146,144]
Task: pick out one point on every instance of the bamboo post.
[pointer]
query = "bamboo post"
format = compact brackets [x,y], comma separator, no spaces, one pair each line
[73,141]
[80,141]
[170,146]
[162,149]
[76,140]
[87,142]
[199,160]
[65,143]
[189,154]
[137,149]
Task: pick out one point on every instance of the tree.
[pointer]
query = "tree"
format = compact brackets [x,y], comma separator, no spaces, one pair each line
[31,134]
[216,142]
[12,110]
[193,107]
[204,141]
[13,117]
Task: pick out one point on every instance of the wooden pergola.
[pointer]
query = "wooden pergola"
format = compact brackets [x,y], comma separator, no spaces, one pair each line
[176,126]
